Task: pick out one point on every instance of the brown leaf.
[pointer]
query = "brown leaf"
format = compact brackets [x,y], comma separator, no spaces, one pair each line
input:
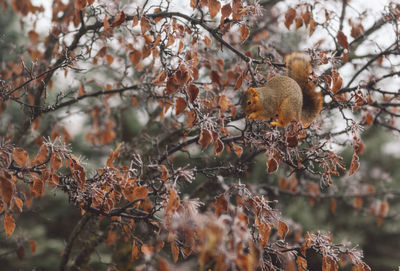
[354,164]
[237,150]
[80,4]
[144,25]
[226,11]
[81,90]
[33,246]
[192,116]
[109,59]
[299,22]
[171,40]
[135,254]
[7,190]
[193,92]
[223,103]
[19,203]
[205,138]
[292,141]
[214,7]
[301,263]
[218,146]
[193,3]
[55,162]
[135,56]
[282,229]
[312,26]
[20,156]
[272,165]
[140,192]
[119,19]
[164,173]
[111,238]
[160,78]
[37,187]
[162,263]
[333,206]
[239,82]
[289,17]
[215,78]
[175,251]
[33,36]
[357,203]
[244,33]
[9,224]
[180,105]
[221,205]
[342,40]
[107,26]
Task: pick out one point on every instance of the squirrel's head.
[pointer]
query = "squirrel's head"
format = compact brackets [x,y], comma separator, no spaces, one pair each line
[250,101]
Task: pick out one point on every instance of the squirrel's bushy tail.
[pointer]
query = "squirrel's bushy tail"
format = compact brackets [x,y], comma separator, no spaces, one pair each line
[299,68]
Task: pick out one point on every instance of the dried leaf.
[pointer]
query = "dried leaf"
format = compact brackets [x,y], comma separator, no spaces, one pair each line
[354,164]
[135,254]
[19,203]
[192,116]
[226,11]
[237,150]
[164,172]
[33,246]
[193,3]
[239,82]
[342,40]
[144,25]
[223,103]
[301,263]
[333,206]
[7,190]
[180,105]
[135,56]
[140,192]
[205,138]
[20,156]
[9,224]
[282,229]
[109,59]
[193,92]
[33,36]
[221,205]
[214,7]
[37,187]
[175,251]
[55,162]
[272,165]
[289,17]
[119,19]
[244,33]
[299,22]
[160,79]
[80,4]
[312,26]
[357,203]
[111,238]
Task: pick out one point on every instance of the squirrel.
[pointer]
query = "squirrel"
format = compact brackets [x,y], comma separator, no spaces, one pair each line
[285,98]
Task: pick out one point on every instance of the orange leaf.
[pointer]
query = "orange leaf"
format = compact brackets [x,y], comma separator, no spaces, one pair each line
[180,105]
[218,146]
[33,36]
[171,40]
[109,59]
[7,189]
[164,172]
[80,4]
[282,229]
[41,155]
[192,116]
[173,202]
[119,19]
[9,224]
[135,253]
[342,40]
[160,79]
[226,11]
[140,192]
[223,103]
[221,205]
[18,202]
[383,209]
[312,26]
[301,263]
[272,165]
[333,206]
[37,187]
[299,22]
[289,17]
[33,246]
[81,90]
[20,156]
[163,265]
[214,6]
[205,138]
[175,251]
[144,25]
[354,164]
[193,92]
[238,83]
[55,162]
[193,3]
[357,203]
[244,33]
[237,150]
[135,56]
[111,238]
